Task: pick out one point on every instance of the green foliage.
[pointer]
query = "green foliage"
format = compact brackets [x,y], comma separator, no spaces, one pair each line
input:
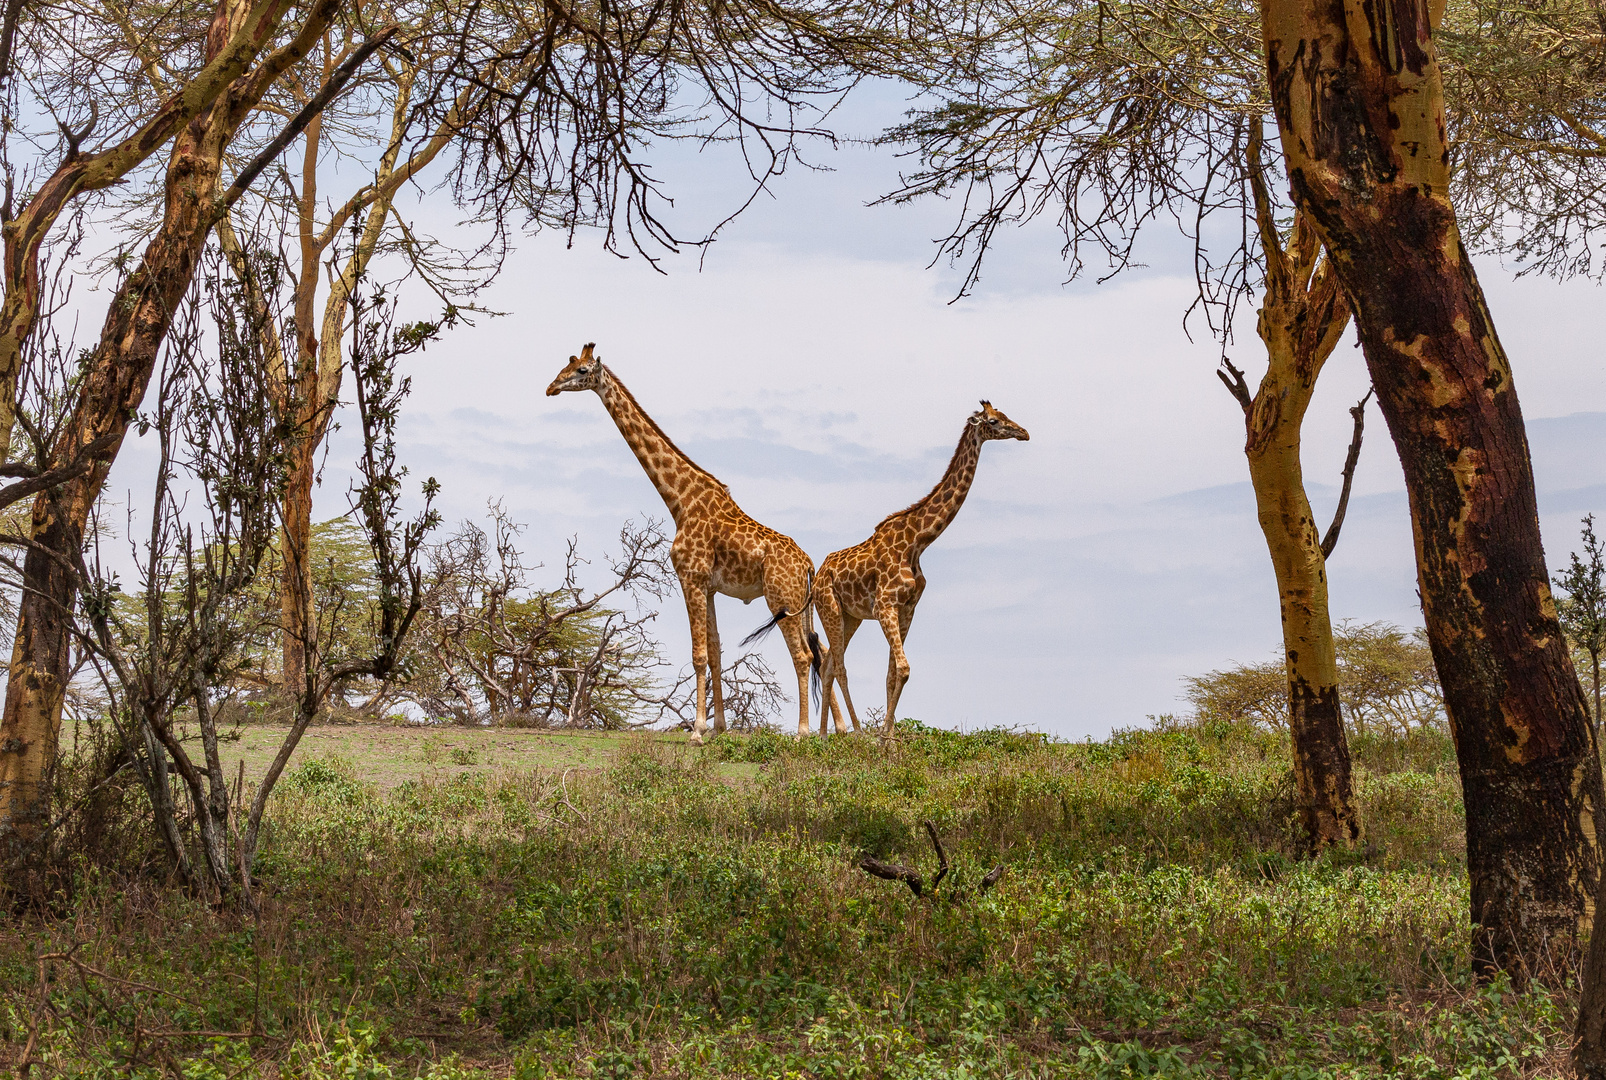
[1582,608]
[329,777]
[1386,680]
[659,918]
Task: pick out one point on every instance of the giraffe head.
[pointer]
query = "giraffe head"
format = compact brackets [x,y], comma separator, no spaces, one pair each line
[992,424]
[583,372]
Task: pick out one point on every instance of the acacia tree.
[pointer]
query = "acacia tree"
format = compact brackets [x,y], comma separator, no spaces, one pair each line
[305,378]
[1359,100]
[1108,114]
[1302,316]
[1113,134]
[113,383]
[102,81]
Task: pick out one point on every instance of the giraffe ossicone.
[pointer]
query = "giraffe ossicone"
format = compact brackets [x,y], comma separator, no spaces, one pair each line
[717,547]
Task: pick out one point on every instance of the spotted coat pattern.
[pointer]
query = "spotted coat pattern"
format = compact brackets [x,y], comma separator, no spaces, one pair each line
[717,548]
[880,579]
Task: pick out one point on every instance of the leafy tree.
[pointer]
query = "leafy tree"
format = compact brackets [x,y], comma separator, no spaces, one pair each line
[1386,679]
[1582,608]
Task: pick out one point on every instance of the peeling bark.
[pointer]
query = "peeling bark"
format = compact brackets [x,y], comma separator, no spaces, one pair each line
[1301,320]
[1359,103]
[237,35]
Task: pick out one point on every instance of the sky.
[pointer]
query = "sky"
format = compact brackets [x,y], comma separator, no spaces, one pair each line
[815,361]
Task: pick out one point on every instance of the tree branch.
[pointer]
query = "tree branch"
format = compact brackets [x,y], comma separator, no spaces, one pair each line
[1236,386]
[32,485]
[1358,411]
[292,130]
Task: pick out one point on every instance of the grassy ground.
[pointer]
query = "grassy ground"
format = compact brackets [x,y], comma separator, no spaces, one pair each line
[388,755]
[582,907]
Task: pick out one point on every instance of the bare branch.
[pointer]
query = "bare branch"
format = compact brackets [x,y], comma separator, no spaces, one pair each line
[1358,411]
[1233,380]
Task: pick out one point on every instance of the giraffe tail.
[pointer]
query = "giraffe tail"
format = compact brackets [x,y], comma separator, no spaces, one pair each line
[816,685]
[786,613]
[764,631]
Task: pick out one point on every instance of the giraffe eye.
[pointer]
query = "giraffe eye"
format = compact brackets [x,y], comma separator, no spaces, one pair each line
[993,420]
[586,370]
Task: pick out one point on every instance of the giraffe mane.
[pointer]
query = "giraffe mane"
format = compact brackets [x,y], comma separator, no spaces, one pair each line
[924,499]
[653,424]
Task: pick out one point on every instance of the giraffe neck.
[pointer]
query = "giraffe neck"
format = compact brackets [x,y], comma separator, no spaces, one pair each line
[931,515]
[678,479]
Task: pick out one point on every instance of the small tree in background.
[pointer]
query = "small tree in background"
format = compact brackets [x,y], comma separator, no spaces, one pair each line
[1583,608]
[1385,677]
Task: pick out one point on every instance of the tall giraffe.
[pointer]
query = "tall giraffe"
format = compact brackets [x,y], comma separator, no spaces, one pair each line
[717,548]
[880,579]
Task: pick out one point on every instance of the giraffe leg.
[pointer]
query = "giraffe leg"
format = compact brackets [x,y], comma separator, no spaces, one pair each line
[801,659]
[830,611]
[786,587]
[697,612]
[850,626]
[892,625]
[713,666]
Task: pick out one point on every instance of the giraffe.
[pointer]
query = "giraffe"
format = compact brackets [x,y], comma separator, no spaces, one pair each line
[880,579]
[717,548]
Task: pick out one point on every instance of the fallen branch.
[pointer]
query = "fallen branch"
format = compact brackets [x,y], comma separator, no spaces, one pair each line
[894,872]
[915,880]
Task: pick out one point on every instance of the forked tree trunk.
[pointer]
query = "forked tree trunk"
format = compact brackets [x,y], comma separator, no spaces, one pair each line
[1359,103]
[1302,318]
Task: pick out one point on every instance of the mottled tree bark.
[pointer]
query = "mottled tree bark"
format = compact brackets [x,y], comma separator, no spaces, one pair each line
[1359,103]
[1302,317]
[110,391]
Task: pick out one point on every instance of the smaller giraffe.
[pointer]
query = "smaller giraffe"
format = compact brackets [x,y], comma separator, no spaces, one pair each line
[717,548]
[880,579]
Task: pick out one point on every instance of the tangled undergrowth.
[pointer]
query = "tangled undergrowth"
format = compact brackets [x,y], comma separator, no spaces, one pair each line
[657,918]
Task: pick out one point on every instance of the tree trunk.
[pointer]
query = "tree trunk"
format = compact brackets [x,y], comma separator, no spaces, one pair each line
[108,394]
[1359,104]
[1321,755]
[1302,318]
[295,582]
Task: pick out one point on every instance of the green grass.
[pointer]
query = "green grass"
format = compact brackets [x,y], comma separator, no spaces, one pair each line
[681,913]
[390,754]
